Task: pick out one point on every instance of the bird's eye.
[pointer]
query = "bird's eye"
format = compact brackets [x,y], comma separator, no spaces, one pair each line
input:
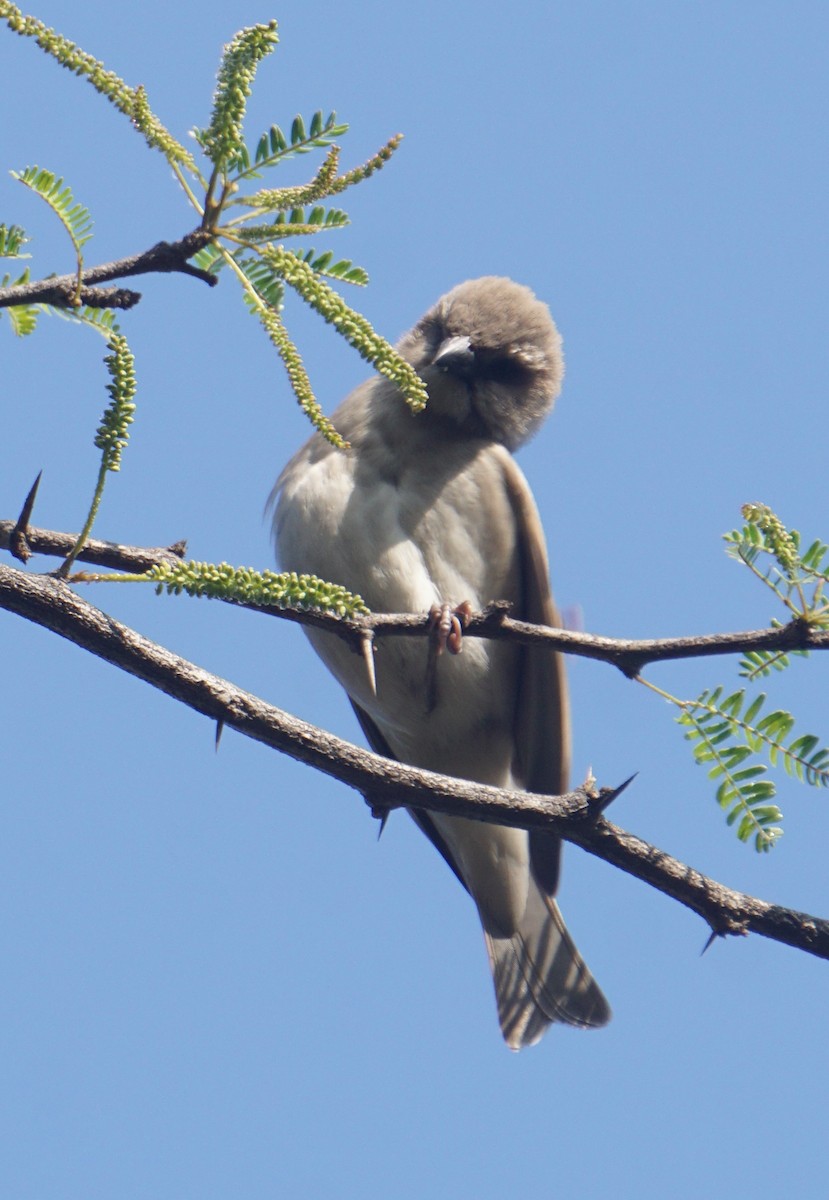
[499,368]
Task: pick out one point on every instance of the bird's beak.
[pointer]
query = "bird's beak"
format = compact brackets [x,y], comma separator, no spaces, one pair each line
[455,356]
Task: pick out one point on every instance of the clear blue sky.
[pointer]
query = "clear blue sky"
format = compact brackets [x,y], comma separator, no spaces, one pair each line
[215,982]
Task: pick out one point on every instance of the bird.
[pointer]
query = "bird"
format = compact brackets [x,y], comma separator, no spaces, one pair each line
[429,512]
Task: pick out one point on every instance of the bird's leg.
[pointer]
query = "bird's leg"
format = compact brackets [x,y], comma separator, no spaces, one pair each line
[446,633]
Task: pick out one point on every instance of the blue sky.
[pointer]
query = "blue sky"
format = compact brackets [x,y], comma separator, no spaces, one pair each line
[215,982]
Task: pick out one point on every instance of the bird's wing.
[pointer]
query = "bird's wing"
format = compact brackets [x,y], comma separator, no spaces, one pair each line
[542,718]
[539,974]
[379,745]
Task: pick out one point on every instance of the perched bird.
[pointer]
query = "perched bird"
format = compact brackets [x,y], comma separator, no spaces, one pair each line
[429,511]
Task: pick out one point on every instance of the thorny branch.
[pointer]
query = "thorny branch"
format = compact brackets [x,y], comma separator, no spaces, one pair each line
[576,816]
[630,655]
[104,554]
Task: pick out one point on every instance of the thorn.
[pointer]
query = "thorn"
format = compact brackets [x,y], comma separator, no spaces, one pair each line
[18,544]
[606,796]
[712,937]
[367,651]
[219,730]
[379,810]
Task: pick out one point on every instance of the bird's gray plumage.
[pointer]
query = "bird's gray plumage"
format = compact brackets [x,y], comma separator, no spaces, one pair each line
[431,508]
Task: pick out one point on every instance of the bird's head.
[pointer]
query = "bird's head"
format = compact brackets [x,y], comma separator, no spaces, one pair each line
[491,358]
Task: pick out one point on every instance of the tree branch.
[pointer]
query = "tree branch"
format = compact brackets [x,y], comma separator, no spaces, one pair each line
[575,816]
[630,655]
[133,559]
[62,290]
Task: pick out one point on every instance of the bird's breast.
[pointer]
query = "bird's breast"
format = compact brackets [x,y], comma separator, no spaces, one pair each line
[439,530]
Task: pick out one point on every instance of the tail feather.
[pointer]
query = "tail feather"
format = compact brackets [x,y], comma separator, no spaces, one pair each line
[540,977]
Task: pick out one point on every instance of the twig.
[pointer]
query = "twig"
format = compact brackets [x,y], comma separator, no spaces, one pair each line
[104,554]
[62,290]
[630,655]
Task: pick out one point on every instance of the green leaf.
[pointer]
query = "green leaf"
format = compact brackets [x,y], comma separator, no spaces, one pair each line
[74,217]
[274,147]
[757,664]
[102,320]
[268,285]
[754,708]
[209,258]
[23,318]
[239,161]
[12,240]
[815,555]
[733,703]
[798,578]
[727,742]
[271,143]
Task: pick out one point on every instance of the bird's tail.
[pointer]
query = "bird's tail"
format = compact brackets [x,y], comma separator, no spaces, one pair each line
[540,977]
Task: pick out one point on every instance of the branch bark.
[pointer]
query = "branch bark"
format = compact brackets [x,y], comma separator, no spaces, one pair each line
[630,655]
[62,290]
[131,559]
[575,816]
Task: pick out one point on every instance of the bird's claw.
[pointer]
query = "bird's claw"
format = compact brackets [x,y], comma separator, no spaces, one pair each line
[448,624]
[446,633]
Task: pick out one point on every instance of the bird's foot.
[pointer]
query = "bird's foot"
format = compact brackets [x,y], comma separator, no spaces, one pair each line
[446,633]
[447,626]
